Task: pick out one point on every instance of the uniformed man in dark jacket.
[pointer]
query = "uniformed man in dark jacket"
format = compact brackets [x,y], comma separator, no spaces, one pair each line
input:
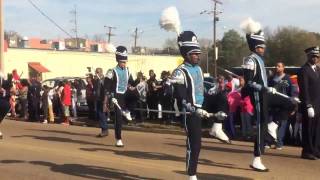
[309,85]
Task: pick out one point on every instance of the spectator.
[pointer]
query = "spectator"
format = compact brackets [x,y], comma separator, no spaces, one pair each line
[74,98]
[142,89]
[234,99]
[45,103]
[99,96]
[23,98]
[34,99]
[56,101]
[90,97]
[152,96]
[66,102]
[50,105]
[166,96]
[246,112]
[280,113]
[232,82]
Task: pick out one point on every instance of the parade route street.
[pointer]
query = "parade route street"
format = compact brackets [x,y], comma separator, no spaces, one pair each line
[53,151]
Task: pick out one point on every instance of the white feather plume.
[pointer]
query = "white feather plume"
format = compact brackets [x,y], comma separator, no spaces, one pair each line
[111,48]
[250,26]
[170,20]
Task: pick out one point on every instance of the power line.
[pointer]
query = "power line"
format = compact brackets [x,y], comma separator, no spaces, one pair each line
[51,20]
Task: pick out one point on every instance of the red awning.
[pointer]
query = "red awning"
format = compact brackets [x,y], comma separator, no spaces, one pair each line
[38,67]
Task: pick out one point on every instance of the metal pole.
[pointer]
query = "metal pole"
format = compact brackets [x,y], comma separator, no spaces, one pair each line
[207,61]
[135,38]
[1,38]
[109,33]
[214,38]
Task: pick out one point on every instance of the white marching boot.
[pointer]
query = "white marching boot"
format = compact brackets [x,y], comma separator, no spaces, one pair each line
[217,132]
[119,143]
[194,177]
[272,129]
[257,165]
[127,115]
[1,136]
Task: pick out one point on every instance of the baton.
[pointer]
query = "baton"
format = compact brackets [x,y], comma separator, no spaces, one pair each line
[218,114]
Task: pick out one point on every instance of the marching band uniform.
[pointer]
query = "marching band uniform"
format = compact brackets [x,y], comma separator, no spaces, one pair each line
[190,95]
[309,85]
[120,80]
[256,86]
[217,93]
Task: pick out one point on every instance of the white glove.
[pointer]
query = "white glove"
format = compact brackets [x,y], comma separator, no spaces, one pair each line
[114,100]
[271,90]
[221,115]
[295,100]
[310,112]
[213,90]
[203,113]
[188,106]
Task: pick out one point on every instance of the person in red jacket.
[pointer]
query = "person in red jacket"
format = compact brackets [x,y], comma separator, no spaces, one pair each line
[66,102]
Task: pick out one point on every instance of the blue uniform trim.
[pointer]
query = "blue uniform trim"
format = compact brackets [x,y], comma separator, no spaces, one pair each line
[196,77]
[122,79]
[262,68]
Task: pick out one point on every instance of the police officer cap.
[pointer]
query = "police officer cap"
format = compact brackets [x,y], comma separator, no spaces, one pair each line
[312,51]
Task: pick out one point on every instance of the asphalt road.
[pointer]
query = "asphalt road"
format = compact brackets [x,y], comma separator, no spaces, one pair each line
[52,151]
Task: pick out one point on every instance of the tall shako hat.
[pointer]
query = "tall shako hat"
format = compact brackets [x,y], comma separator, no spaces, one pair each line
[314,51]
[254,34]
[188,43]
[121,53]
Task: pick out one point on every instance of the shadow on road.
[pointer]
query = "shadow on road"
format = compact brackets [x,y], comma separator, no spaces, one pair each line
[60,139]
[216,176]
[161,156]
[84,171]
[62,132]
[223,149]
[210,141]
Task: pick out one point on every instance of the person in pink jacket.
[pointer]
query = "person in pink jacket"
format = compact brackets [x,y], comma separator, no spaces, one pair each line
[234,98]
[246,113]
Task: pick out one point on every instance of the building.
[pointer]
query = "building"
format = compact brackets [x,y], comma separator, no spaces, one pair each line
[51,63]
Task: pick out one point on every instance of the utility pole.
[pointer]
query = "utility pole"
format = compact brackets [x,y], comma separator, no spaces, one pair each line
[215,13]
[75,21]
[136,36]
[109,32]
[1,38]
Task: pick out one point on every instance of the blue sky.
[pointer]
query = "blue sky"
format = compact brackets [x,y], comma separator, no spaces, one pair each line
[20,16]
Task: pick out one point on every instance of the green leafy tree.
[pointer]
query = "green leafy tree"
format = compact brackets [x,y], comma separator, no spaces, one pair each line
[232,49]
[287,44]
